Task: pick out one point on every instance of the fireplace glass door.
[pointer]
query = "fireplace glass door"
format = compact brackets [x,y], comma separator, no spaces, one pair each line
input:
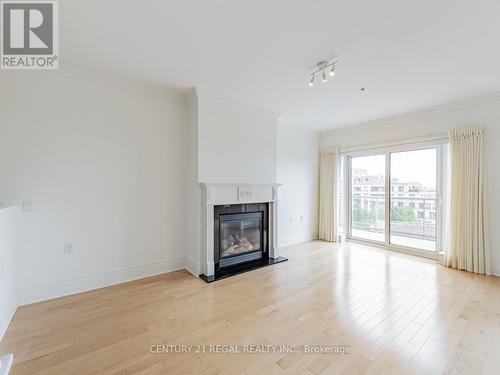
[240,234]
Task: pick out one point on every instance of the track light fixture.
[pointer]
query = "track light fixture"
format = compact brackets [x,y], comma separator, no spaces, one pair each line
[322,67]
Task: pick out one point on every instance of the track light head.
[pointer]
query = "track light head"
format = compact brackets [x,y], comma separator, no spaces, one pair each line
[311,82]
[332,70]
[323,76]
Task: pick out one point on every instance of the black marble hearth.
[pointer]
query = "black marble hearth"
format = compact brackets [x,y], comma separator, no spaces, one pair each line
[226,272]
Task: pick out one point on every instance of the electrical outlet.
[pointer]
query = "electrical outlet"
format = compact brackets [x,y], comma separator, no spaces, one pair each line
[68,248]
[27,206]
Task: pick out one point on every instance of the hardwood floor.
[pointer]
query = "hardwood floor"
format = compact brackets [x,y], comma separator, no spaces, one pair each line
[398,315]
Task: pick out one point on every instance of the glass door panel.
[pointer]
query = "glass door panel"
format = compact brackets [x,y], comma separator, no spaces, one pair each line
[413,203]
[368,197]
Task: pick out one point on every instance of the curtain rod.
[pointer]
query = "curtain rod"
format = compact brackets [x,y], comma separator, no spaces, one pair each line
[441,137]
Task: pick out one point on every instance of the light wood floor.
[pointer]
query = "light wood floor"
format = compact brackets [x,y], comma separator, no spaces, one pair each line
[398,314]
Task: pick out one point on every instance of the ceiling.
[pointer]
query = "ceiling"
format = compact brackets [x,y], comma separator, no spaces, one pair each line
[407,54]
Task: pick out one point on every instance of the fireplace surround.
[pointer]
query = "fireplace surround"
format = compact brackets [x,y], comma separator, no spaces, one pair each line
[238,228]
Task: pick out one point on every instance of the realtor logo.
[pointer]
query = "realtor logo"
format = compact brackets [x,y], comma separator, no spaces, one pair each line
[29,35]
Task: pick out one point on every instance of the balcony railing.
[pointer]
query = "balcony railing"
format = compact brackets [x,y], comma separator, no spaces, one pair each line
[410,217]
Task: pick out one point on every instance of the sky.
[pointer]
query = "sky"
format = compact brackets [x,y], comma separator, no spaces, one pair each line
[408,166]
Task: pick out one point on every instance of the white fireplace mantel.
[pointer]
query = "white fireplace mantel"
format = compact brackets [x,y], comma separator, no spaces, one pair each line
[213,194]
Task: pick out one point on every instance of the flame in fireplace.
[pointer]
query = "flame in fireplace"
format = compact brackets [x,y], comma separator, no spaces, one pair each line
[235,244]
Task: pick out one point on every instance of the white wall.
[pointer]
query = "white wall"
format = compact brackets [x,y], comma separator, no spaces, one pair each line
[7,267]
[104,165]
[483,111]
[298,171]
[193,190]
[236,143]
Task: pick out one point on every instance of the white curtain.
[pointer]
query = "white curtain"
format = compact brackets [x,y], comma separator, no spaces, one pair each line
[468,247]
[329,163]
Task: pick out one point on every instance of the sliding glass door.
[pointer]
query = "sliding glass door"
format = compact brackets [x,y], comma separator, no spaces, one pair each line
[368,197]
[394,197]
[414,199]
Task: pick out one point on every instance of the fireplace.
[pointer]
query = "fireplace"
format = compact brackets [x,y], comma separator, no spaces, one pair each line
[240,234]
[239,229]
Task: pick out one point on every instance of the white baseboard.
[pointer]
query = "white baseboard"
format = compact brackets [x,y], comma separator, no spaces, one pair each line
[295,239]
[193,267]
[495,269]
[6,364]
[7,313]
[84,284]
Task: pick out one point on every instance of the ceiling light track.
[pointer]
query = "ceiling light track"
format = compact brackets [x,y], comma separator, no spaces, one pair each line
[321,68]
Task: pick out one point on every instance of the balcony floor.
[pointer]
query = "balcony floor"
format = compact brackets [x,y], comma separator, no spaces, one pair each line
[395,240]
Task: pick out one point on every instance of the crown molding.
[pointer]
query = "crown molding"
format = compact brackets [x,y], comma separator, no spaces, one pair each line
[297,129]
[191,96]
[237,102]
[105,79]
[450,106]
[229,184]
